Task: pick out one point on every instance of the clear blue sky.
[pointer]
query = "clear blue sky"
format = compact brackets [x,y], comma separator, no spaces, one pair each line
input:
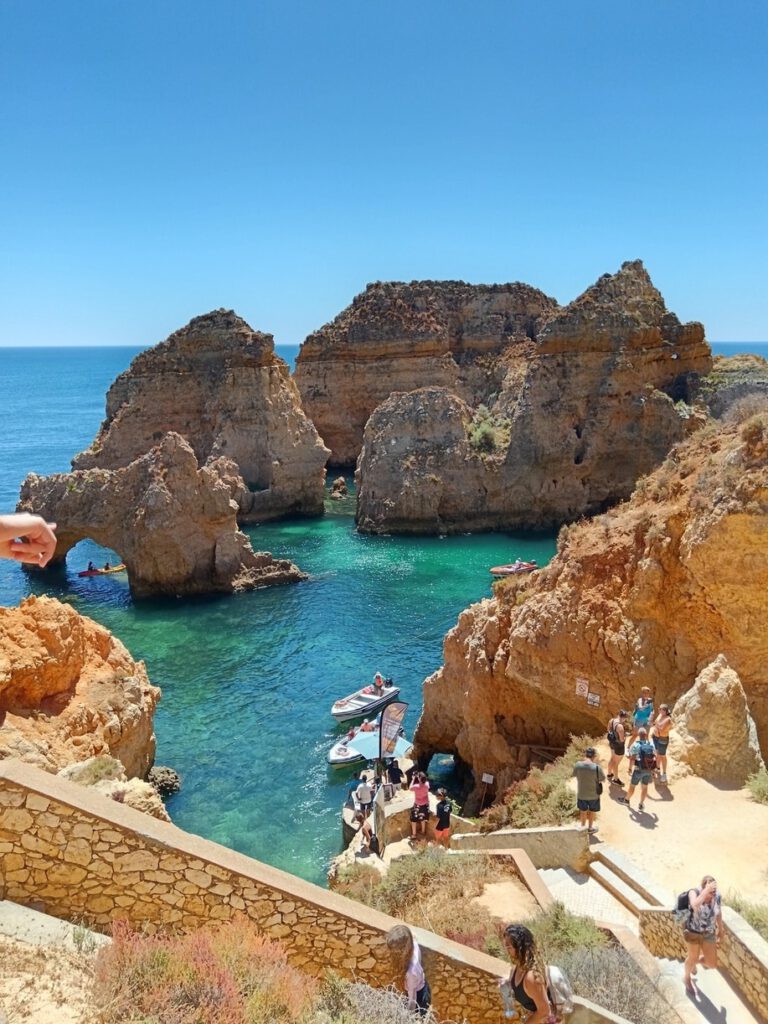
[164,157]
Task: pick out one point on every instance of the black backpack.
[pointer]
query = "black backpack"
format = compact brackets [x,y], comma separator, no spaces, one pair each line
[373,845]
[682,907]
[646,759]
[612,737]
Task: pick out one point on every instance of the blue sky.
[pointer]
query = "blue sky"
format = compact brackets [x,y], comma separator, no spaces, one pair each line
[164,157]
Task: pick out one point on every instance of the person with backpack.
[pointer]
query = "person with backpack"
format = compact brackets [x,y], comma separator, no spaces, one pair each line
[643,758]
[528,978]
[589,785]
[616,741]
[702,930]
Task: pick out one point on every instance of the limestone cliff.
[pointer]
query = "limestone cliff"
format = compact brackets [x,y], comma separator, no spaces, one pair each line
[70,690]
[172,522]
[574,417]
[735,380]
[397,337]
[649,593]
[219,384]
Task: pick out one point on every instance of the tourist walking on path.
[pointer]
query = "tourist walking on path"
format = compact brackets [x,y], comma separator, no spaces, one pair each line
[528,977]
[443,824]
[27,538]
[660,730]
[641,716]
[420,809]
[589,785]
[703,930]
[406,957]
[617,736]
[643,759]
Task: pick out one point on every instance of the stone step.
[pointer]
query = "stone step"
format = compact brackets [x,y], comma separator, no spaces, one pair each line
[718,1001]
[621,865]
[38,929]
[618,887]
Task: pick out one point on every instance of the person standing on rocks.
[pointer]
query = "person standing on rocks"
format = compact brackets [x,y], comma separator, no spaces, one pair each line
[641,716]
[617,741]
[660,730]
[364,795]
[643,759]
[589,785]
[703,931]
[443,823]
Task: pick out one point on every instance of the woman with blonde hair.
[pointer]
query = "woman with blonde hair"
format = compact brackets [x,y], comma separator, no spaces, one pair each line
[406,958]
[528,977]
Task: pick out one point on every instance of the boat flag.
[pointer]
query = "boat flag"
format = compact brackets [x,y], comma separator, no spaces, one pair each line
[391,723]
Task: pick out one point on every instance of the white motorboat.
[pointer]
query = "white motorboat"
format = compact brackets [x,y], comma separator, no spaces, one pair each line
[363,703]
[361,745]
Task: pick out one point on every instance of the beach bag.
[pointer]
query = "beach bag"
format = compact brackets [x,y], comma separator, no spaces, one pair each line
[560,993]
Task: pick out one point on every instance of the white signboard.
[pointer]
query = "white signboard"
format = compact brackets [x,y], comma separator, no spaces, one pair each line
[593,699]
[582,687]
[487,777]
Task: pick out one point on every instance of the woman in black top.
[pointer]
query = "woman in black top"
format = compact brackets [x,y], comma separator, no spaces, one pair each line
[528,974]
[443,823]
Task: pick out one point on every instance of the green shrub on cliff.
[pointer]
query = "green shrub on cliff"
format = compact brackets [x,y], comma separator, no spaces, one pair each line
[757,785]
[488,432]
[755,914]
[542,798]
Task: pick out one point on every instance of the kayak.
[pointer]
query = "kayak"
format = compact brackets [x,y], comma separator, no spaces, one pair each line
[514,568]
[366,701]
[102,572]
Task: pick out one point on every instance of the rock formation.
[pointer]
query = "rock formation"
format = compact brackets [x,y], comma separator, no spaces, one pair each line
[649,593]
[107,776]
[397,337]
[173,523]
[70,690]
[567,421]
[714,731]
[735,380]
[219,384]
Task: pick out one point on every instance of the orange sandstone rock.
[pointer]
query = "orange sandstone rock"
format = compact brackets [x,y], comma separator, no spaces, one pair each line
[648,594]
[70,690]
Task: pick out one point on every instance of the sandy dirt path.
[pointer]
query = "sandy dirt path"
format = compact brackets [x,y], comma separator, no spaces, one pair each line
[688,829]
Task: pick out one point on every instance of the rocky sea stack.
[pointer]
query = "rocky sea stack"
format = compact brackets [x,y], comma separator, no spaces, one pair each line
[202,432]
[532,422]
[647,594]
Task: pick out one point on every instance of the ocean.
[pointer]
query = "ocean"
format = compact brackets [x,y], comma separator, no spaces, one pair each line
[248,680]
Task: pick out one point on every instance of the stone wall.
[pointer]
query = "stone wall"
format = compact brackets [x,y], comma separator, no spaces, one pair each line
[547,847]
[75,854]
[743,953]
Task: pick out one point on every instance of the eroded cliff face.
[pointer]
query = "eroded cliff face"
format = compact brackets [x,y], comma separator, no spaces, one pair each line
[219,384]
[397,337]
[70,690]
[173,522]
[578,414]
[648,594]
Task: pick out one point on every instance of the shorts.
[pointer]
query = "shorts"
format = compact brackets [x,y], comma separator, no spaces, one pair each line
[699,938]
[588,805]
[366,808]
[618,748]
[660,744]
[641,777]
[640,723]
[420,812]
[442,833]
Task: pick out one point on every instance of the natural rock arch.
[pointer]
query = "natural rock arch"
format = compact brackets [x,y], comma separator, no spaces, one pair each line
[172,522]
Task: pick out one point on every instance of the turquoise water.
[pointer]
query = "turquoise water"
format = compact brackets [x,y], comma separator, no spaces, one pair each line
[248,680]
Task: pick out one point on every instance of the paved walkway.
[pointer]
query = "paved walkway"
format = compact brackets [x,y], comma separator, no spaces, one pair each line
[582,894]
[717,1002]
